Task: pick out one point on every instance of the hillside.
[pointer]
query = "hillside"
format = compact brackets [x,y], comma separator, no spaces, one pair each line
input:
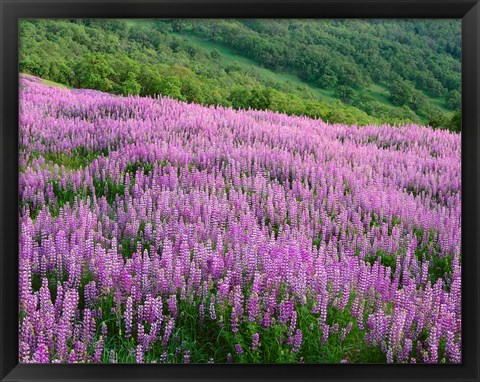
[360,72]
[154,230]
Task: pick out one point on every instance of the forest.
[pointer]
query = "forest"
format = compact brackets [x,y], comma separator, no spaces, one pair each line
[342,71]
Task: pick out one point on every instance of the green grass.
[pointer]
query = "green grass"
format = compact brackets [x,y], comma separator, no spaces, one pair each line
[55,84]
[214,339]
[440,103]
[230,56]
[51,83]
[380,93]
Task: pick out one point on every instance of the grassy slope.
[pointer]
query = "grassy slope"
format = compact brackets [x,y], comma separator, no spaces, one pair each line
[377,90]
[55,84]
[380,93]
[440,102]
[229,56]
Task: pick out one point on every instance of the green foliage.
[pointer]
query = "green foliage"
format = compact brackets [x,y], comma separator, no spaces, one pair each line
[454,99]
[387,260]
[345,93]
[239,98]
[210,340]
[93,71]
[192,90]
[401,92]
[439,267]
[311,64]
[419,102]
[78,158]
[437,119]
[130,85]
[456,122]
[133,167]
[170,86]
[215,54]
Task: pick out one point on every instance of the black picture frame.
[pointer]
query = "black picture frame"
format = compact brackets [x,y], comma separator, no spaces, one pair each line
[467,10]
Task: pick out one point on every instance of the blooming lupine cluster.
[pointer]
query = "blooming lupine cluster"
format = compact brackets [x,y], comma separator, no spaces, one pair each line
[130,208]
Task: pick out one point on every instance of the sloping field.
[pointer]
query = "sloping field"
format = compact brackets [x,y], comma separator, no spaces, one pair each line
[159,231]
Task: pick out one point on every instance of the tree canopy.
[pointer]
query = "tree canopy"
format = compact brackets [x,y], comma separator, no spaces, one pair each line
[374,71]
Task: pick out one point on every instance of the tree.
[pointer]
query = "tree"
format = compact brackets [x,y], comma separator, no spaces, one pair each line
[438,119]
[260,98]
[328,78]
[192,89]
[215,54]
[170,86]
[454,99]
[239,98]
[130,85]
[93,71]
[456,122]
[401,92]
[419,102]
[345,93]
[150,81]
[434,87]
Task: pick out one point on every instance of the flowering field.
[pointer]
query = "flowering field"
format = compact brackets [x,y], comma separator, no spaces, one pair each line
[158,231]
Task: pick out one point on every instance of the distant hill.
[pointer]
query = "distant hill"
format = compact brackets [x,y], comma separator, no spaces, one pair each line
[348,71]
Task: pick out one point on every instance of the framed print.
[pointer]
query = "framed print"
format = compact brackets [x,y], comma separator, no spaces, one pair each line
[284,190]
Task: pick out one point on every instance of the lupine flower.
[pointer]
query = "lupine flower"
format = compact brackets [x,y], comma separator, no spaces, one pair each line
[128,316]
[41,354]
[297,342]
[238,349]
[97,357]
[255,341]
[139,354]
[257,213]
[112,356]
[163,357]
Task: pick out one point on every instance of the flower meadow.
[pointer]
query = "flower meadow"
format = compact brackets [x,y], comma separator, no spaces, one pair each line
[156,231]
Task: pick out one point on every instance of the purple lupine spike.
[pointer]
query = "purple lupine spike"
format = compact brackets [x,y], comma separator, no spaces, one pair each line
[255,341]
[128,317]
[112,356]
[238,349]
[41,353]
[213,315]
[186,357]
[139,354]
[281,212]
[297,341]
[172,305]
[168,331]
[97,356]
[72,357]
